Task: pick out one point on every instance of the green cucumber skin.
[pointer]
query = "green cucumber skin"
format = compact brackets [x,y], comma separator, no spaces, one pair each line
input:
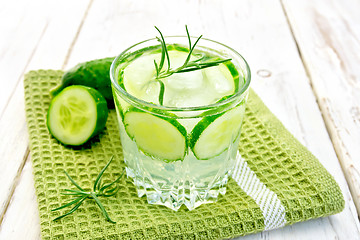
[95,74]
[101,108]
[202,125]
[199,129]
[119,107]
[235,74]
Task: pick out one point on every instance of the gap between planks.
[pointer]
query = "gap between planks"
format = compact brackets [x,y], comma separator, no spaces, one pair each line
[15,183]
[24,70]
[27,151]
[325,117]
[68,54]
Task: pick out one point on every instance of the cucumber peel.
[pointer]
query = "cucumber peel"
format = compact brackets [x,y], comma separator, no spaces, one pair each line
[77,114]
[95,74]
[213,134]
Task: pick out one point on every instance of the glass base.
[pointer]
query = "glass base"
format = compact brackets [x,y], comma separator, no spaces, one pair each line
[181,194]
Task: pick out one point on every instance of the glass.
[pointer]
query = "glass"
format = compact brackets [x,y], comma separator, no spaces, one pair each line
[201,171]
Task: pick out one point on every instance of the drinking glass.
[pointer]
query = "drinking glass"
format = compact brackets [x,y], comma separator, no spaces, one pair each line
[202,140]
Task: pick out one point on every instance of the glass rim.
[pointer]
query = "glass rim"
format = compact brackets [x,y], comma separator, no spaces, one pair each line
[167,108]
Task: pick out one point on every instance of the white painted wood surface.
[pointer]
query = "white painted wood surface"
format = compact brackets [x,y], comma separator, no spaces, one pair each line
[59,36]
[22,50]
[328,33]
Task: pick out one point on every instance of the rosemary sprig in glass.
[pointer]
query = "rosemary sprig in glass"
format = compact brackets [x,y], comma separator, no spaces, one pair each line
[99,190]
[188,65]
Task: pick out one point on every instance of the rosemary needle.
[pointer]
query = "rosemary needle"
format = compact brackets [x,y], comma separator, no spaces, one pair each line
[188,65]
[99,190]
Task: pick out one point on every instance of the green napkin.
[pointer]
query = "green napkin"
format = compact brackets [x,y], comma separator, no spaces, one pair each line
[276,182]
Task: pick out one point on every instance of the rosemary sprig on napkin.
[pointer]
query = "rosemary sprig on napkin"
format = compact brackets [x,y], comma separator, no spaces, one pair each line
[99,190]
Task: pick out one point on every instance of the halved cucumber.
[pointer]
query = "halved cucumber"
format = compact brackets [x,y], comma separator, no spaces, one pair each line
[93,74]
[213,134]
[77,114]
[163,138]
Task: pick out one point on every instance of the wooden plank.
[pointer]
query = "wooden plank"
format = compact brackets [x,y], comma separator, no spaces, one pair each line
[21,29]
[49,51]
[56,44]
[14,149]
[16,49]
[328,35]
[23,210]
[258,30]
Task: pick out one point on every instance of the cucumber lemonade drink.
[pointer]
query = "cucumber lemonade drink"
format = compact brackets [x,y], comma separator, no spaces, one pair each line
[180,111]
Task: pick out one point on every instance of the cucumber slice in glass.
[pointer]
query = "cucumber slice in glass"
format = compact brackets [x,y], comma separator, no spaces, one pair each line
[213,134]
[159,137]
[77,114]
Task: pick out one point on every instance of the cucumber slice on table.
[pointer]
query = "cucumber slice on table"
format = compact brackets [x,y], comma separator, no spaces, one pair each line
[213,134]
[163,138]
[77,114]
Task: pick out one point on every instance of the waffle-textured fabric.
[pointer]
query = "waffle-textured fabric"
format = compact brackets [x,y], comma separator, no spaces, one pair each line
[276,182]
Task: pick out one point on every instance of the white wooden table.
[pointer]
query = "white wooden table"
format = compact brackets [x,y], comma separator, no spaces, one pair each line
[304,56]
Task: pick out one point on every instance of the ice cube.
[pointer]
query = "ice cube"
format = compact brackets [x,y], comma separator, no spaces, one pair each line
[220,79]
[189,81]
